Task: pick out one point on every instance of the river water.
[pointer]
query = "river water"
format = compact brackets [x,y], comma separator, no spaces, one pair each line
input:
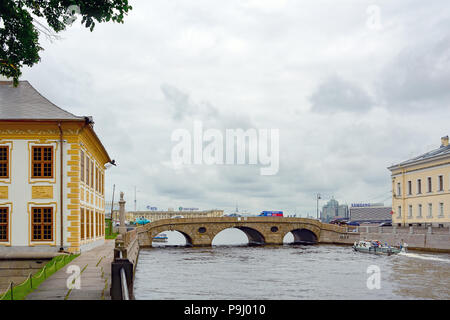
[230,270]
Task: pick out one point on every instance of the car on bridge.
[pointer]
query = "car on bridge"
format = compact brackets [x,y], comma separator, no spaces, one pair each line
[340,222]
[271,214]
[142,221]
[233,215]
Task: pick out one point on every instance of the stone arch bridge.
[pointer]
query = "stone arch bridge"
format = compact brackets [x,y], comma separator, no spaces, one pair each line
[200,232]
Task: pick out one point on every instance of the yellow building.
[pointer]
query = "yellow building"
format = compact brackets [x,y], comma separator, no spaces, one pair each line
[52,175]
[421,188]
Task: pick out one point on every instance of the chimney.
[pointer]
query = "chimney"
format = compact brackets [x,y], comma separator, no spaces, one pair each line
[444,141]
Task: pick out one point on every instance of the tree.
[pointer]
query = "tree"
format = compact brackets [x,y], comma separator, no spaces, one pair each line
[20,28]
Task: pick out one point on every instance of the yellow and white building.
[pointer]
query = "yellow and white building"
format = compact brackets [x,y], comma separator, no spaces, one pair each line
[52,175]
[421,189]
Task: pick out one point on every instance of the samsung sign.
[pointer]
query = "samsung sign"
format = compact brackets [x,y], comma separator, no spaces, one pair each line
[362,205]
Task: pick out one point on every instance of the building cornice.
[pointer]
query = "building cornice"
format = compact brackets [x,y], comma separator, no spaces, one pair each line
[419,162]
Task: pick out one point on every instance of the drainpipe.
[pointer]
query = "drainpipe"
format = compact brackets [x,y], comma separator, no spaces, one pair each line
[404,196]
[61,193]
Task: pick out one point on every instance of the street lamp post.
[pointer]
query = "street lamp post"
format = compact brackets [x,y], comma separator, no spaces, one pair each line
[318,197]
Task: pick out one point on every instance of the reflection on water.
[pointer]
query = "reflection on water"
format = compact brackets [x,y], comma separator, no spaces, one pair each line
[284,272]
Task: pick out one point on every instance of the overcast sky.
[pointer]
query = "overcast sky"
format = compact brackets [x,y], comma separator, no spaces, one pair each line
[354,86]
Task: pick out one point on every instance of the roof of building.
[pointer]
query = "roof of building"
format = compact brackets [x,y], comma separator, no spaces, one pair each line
[443,150]
[25,103]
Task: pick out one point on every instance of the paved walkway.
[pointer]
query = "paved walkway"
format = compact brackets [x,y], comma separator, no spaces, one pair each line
[95,266]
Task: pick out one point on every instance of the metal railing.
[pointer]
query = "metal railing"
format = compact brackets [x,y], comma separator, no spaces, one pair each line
[123,282]
[125,295]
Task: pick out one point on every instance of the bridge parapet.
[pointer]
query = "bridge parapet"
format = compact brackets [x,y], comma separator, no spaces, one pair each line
[260,230]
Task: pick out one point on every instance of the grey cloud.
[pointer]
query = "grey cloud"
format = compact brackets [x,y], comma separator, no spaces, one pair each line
[418,77]
[178,100]
[183,107]
[336,94]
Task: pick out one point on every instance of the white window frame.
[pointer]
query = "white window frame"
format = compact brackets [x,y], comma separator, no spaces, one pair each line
[419,211]
[441,210]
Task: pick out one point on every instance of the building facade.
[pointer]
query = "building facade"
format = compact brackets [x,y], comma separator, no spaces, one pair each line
[52,175]
[370,213]
[158,215]
[421,188]
[332,210]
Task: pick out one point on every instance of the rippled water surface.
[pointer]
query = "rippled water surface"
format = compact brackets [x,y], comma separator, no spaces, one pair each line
[287,272]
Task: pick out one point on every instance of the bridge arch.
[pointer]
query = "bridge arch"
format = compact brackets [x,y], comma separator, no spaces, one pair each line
[164,229]
[253,236]
[304,236]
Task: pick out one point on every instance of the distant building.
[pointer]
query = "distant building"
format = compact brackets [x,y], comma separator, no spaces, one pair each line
[370,213]
[343,211]
[332,210]
[421,188]
[158,215]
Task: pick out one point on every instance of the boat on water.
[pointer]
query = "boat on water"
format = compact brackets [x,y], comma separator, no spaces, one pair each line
[162,237]
[376,247]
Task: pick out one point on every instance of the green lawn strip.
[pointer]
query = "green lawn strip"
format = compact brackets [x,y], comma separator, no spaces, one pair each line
[111,237]
[20,291]
[108,230]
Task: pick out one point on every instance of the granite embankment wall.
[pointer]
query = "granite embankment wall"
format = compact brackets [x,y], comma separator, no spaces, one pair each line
[425,239]
[418,238]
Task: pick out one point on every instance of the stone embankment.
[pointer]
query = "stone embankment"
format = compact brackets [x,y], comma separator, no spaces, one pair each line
[418,238]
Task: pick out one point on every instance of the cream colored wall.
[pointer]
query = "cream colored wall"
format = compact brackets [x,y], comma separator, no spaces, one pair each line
[20,197]
[422,172]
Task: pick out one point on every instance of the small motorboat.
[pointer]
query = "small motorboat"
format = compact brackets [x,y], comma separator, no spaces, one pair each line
[162,237]
[376,247]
